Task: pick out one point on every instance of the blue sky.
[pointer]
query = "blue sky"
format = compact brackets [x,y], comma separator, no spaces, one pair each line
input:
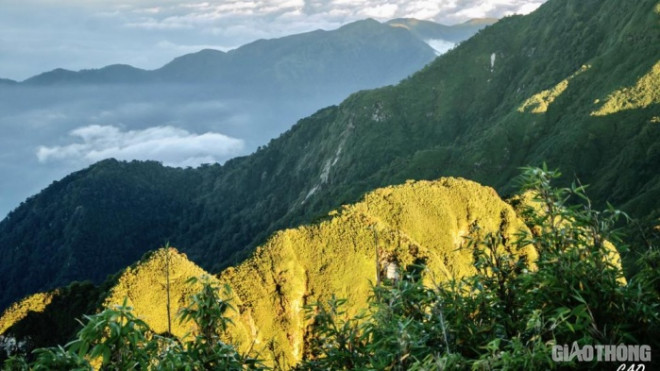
[40,35]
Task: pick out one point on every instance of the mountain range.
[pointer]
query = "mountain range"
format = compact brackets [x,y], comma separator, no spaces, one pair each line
[364,53]
[574,84]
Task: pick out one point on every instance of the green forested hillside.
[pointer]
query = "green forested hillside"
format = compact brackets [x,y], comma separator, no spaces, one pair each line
[126,203]
[429,222]
[573,84]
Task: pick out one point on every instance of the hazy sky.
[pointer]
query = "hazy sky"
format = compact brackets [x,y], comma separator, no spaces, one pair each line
[40,35]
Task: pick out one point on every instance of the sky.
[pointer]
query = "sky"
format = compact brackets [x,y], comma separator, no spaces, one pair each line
[41,35]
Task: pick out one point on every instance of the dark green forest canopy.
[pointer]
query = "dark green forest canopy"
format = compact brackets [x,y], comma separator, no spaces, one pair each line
[516,94]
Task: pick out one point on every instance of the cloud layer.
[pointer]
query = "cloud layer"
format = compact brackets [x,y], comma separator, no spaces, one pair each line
[172,146]
[40,35]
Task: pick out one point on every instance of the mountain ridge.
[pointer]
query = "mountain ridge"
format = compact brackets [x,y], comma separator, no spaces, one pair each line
[308,56]
[211,64]
[114,73]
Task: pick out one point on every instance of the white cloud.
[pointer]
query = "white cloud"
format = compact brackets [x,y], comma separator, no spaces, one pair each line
[423,9]
[529,7]
[440,46]
[382,11]
[494,8]
[281,17]
[170,145]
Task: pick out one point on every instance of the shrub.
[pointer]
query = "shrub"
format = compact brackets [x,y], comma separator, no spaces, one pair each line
[115,339]
[511,313]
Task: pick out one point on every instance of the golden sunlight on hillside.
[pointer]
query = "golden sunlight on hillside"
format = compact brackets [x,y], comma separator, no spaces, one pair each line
[426,221]
[539,103]
[19,310]
[394,226]
[643,94]
[146,288]
[359,245]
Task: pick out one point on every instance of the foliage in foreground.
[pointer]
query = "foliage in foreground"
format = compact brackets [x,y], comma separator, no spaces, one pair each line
[511,313]
[116,339]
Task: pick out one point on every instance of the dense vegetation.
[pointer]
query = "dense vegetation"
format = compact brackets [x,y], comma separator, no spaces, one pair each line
[124,204]
[508,314]
[116,339]
[393,226]
[465,114]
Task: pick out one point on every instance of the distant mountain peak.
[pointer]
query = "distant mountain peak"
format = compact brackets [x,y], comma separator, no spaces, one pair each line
[363,21]
[209,51]
[119,66]
[359,52]
[114,73]
[364,24]
[362,54]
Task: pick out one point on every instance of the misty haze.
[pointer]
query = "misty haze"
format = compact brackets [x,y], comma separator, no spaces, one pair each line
[204,107]
[49,132]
